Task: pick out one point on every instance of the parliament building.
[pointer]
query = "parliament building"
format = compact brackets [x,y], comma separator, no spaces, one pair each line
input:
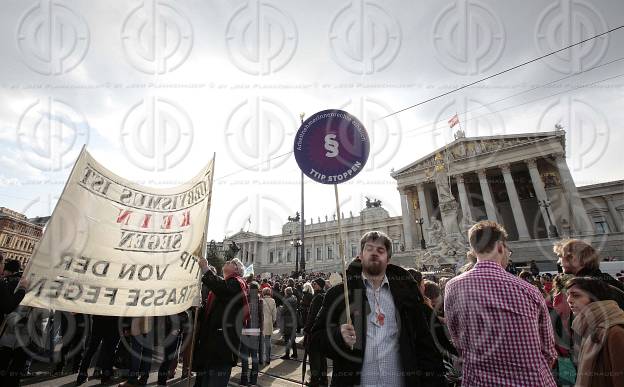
[519,180]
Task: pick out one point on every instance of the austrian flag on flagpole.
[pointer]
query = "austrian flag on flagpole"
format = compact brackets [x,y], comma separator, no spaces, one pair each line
[453,121]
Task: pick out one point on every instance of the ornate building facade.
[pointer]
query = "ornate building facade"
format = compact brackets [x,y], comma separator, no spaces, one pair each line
[521,181]
[278,253]
[18,236]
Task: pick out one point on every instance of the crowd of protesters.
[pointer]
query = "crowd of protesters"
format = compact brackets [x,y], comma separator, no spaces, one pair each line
[488,324]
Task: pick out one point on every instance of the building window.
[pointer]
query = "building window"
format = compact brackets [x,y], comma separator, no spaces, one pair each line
[601,226]
[330,252]
[279,257]
[308,254]
[270,257]
[319,254]
[353,251]
[288,259]
[395,246]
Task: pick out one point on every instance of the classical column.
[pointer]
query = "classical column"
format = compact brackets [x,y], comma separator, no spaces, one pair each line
[488,200]
[422,204]
[408,219]
[514,200]
[617,219]
[540,191]
[581,220]
[463,197]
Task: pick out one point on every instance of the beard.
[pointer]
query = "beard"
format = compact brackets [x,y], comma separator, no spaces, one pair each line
[373,267]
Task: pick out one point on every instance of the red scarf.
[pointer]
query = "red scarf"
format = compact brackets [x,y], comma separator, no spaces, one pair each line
[243,286]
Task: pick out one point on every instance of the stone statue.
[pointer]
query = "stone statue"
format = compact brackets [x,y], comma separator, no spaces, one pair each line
[326,218]
[459,134]
[296,218]
[436,231]
[351,214]
[442,247]
[372,203]
[319,219]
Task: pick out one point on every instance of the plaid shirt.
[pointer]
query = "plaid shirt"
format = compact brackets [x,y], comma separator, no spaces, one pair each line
[501,327]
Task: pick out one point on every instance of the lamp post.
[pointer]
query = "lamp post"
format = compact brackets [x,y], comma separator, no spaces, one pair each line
[423,245]
[303,253]
[296,243]
[552,229]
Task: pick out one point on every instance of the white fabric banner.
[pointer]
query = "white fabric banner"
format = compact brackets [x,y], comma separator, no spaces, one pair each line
[116,248]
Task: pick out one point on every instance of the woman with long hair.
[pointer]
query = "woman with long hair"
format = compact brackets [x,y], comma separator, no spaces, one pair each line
[599,328]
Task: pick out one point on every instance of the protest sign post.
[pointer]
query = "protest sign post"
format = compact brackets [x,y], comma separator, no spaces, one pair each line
[332,147]
[204,254]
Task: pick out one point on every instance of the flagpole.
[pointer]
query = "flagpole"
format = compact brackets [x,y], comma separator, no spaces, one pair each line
[204,253]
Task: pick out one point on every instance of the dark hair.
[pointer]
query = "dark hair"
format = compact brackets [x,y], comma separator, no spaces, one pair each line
[373,236]
[483,236]
[526,275]
[12,265]
[253,285]
[418,277]
[597,290]
[432,290]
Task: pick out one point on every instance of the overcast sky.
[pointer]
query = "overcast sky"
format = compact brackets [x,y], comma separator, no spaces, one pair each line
[155,88]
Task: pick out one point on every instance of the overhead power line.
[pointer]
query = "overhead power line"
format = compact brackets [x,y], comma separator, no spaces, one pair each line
[481,106]
[544,97]
[501,72]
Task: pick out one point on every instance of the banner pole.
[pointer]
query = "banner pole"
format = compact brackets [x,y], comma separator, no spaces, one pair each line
[204,253]
[342,258]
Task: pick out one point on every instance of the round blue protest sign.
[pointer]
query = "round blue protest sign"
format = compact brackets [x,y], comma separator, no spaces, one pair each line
[331,147]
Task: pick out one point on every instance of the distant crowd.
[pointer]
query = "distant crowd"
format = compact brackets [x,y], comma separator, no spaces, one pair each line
[488,324]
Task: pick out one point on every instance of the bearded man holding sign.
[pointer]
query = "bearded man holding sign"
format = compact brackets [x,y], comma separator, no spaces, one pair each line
[384,340]
[388,342]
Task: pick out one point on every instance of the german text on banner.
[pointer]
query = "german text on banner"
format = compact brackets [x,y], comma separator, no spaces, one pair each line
[116,248]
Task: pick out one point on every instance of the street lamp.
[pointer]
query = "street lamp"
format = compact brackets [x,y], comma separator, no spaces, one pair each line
[296,243]
[422,234]
[552,229]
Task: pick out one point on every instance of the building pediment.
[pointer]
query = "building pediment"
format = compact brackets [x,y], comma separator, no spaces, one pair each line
[243,235]
[471,147]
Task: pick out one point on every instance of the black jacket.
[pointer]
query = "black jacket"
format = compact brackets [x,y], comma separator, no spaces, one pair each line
[617,287]
[220,329]
[420,358]
[315,307]
[9,298]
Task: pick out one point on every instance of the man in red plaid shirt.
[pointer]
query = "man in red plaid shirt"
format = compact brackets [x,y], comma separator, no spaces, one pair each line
[498,322]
